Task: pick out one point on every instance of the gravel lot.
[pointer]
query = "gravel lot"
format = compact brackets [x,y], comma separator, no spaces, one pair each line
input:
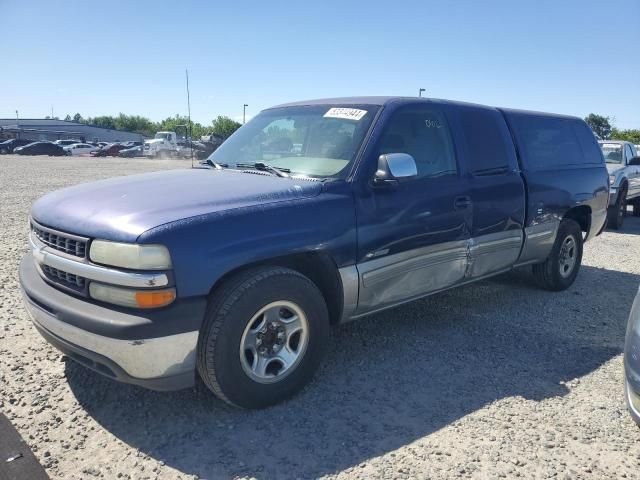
[496,379]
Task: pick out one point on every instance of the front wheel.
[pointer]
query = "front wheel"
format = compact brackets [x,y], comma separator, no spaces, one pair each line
[263,337]
[617,211]
[561,268]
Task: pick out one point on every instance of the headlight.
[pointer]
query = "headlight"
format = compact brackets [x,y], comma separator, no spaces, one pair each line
[612,179]
[132,298]
[130,255]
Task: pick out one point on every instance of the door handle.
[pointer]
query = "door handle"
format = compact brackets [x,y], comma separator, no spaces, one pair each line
[462,202]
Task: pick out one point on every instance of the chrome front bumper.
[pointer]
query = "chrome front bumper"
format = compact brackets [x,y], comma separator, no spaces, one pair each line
[163,362]
[144,359]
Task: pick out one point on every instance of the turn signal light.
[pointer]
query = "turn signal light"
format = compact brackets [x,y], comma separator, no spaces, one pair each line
[156,298]
[128,297]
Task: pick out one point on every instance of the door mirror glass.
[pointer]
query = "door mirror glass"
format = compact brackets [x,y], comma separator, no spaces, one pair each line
[634,161]
[394,168]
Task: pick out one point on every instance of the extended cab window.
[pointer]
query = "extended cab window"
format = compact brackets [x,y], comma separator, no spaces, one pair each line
[484,135]
[423,133]
[316,141]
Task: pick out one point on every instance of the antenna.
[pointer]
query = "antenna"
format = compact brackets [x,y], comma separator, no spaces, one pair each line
[189,112]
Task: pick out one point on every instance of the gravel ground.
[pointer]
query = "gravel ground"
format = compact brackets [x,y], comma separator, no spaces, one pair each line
[496,379]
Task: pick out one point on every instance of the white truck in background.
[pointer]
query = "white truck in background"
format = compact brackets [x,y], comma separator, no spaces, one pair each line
[163,145]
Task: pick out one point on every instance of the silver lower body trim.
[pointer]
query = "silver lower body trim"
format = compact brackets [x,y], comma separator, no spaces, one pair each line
[538,242]
[143,359]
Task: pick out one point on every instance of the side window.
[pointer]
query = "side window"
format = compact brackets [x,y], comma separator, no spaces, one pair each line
[484,133]
[423,133]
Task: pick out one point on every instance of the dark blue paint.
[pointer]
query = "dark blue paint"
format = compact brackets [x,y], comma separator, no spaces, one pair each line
[216,221]
[123,208]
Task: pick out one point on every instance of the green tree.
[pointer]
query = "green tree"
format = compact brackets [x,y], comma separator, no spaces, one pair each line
[630,135]
[77,118]
[67,118]
[105,121]
[225,126]
[600,125]
[135,123]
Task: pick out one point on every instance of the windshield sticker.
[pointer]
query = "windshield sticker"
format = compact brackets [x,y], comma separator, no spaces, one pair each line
[345,113]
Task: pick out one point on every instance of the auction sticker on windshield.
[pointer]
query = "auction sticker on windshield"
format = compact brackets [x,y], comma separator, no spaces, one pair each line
[345,113]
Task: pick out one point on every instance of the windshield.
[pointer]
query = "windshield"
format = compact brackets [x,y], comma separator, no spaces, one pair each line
[612,152]
[165,136]
[316,141]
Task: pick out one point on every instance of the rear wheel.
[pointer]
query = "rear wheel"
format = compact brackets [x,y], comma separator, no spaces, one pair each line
[561,268]
[617,211]
[263,337]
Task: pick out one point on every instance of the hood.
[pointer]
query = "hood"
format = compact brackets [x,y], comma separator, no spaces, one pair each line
[613,167]
[123,208]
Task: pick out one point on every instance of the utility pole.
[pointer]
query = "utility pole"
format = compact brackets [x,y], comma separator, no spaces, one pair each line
[420,92]
[16,114]
[244,112]
[186,72]
[51,112]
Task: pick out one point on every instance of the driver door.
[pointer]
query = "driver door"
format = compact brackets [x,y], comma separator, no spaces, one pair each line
[413,236]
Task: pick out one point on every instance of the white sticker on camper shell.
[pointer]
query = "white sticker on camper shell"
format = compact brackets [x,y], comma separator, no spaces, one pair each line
[346,113]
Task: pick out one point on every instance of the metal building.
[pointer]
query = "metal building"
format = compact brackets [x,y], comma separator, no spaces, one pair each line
[51,129]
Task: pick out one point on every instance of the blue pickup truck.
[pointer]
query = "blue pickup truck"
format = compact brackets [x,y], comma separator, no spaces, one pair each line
[312,214]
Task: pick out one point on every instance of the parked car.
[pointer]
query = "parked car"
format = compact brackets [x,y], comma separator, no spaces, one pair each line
[40,148]
[623,165]
[131,152]
[8,145]
[67,142]
[102,144]
[80,149]
[632,361]
[111,150]
[235,270]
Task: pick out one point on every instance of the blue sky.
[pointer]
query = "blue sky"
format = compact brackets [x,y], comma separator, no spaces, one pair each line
[105,57]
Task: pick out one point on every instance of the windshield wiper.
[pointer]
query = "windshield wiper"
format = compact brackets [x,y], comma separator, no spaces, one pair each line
[212,164]
[280,172]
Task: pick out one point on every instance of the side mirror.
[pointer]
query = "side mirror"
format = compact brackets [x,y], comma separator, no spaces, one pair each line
[394,168]
[634,161]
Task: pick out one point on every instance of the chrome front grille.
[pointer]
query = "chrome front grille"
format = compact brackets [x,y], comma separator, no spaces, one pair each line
[66,243]
[65,279]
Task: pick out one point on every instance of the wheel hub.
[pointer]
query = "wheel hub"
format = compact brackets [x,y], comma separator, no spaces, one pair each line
[274,341]
[270,338]
[568,255]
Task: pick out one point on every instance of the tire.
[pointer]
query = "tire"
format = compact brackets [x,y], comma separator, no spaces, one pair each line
[616,212]
[560,269]
[243,377]
[636,208]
